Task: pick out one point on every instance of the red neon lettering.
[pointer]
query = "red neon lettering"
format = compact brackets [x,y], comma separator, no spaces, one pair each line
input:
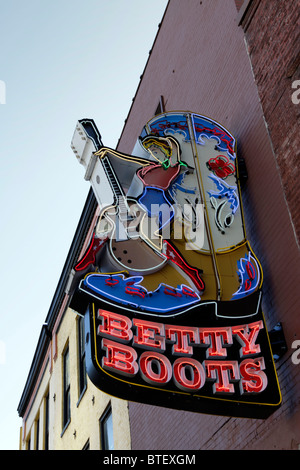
[184,367]
[222,372]
[247,335]
[254,380]
[183,336]
[119,357]
[155,368]
[216,338]
[149,334]
[114,325]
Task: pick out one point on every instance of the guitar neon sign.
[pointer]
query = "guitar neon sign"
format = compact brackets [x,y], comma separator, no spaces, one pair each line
[169,286]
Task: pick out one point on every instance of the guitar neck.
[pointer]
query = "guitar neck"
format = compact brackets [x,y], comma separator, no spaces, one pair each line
[117,189]
[88,159]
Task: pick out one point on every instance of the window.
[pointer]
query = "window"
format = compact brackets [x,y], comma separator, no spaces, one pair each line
[81,347]
[47,422]
[106,430]
[66,389]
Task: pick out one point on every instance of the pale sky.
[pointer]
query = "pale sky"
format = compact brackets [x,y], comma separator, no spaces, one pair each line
[60,61]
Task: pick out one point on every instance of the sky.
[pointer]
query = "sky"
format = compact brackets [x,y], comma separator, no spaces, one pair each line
[60,61]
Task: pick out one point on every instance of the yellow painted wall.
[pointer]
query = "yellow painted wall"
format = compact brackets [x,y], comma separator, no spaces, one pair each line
[86,410]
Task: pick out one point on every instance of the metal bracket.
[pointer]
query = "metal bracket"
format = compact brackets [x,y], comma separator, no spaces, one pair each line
[278,343]
[90,168]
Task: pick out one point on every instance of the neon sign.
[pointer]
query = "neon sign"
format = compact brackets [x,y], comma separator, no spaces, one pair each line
[204,369]
[169,286]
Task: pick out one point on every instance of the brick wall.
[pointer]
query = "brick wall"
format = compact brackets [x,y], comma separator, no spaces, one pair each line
[273,41]
[199,62]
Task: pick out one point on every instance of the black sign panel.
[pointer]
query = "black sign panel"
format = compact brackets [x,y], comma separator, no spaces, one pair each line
[222,367]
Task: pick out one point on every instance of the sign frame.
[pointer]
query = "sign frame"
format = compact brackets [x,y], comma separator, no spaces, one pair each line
[258,406]
[169,346]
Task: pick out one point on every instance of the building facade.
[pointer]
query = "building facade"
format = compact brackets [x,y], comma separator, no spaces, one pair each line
[67,412]
[236,62]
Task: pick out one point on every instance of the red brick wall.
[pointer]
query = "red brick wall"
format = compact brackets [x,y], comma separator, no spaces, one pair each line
[199,62]
[273,41]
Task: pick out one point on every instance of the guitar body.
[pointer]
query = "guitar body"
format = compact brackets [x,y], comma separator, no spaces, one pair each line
[128,248]
[129,235]
[133,243]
